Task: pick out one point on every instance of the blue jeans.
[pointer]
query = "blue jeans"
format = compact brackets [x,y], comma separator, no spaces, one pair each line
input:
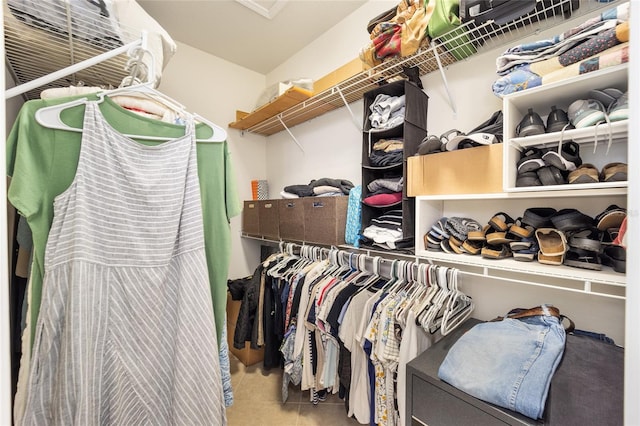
[508,363]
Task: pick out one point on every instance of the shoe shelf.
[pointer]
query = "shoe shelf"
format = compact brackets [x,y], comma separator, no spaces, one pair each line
[594,141]
[586,135]
[598,283]
[482,207]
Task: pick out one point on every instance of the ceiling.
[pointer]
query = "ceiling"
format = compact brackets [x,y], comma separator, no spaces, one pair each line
[245,35]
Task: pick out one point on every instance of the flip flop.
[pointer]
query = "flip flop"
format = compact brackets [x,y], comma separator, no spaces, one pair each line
[538,217]
[524,244]
[614,172]
[552,242]
[495,252]
[587,239]
[530,160]
[584,259]
[429,145]
[472,247]
[616,257]
[526,255]
[566,158]
[567,220]
[528,179]
[612,217]
[438,228]
[457,249]
[550,175]
[550,260]
[480,235]
[497,238]
[459,227]
[520,230]
[501,222]
[586,173]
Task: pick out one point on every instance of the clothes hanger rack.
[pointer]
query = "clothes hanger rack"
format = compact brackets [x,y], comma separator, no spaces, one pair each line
[50,117]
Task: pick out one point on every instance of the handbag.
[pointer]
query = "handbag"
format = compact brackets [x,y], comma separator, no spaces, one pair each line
[391,15]
[445,23]
[387,15]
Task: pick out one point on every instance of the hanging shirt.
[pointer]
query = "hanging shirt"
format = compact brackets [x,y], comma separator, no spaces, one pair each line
[42,163]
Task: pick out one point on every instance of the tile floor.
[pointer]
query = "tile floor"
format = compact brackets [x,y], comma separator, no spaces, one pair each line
[257,395]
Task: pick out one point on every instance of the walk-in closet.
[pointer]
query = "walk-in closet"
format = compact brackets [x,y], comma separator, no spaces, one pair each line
[389,212]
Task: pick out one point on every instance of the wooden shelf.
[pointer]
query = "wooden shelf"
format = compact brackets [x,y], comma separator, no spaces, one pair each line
[291,97]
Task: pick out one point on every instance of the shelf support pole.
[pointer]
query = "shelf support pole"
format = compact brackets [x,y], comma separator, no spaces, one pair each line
[353,117]
[444,78]
[290,134]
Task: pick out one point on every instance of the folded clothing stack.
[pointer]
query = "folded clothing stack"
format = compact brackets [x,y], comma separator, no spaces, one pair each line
[387,152]
[385,232]
[321,188]
[600,42]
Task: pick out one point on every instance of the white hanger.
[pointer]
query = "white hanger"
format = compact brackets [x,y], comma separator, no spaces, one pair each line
[50,116]
[459,307]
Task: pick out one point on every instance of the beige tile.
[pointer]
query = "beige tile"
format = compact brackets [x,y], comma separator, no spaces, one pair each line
[238,371]
[260,386]
[235,365]
[254,413]
[295,394]
[324,414]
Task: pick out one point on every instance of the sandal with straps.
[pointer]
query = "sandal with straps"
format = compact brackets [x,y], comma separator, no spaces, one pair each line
[530,160]
[501,251]
[501,222]
[567,157]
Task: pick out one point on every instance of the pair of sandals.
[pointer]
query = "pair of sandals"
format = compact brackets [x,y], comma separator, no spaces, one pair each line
[588,173]
[506,237]
[449,235]
[544,167]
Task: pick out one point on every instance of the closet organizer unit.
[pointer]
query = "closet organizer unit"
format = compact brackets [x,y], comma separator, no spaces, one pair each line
[411,131]
[589,198]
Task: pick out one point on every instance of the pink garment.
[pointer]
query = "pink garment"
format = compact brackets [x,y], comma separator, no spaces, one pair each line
[383,199]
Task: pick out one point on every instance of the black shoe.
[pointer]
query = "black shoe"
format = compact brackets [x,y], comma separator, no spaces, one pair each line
[557,120]
[531,124]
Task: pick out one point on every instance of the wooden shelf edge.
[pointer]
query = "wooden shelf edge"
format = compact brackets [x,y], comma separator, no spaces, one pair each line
[288,99]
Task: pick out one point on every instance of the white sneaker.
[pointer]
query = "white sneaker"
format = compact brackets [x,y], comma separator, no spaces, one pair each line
[620,108]
[586,112]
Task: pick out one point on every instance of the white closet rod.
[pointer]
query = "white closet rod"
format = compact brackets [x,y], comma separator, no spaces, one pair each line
[38,82]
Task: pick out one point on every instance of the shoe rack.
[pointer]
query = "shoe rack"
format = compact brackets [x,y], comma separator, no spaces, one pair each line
[593,140]
[590,199]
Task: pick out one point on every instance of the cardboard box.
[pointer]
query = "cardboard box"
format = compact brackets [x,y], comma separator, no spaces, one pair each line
[291,218]
[339,75]
[269,222]
[325,219]
[466,171]
[251,218]
[246,355]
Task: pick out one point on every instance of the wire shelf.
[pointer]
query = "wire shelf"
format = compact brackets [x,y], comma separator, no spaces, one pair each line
[43,37]
[460,44]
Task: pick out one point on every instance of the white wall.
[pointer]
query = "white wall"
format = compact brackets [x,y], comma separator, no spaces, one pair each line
[336,47]
[215,88]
